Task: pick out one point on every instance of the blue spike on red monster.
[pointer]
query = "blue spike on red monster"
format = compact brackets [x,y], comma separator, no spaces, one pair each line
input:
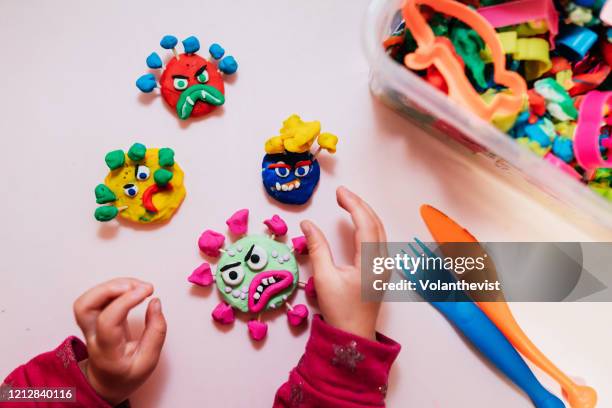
[290,171]
[189,83]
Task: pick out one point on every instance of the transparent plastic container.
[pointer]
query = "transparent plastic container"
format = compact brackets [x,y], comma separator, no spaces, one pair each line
[415,99]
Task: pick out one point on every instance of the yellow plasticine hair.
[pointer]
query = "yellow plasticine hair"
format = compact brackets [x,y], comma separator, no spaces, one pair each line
[328,141]
[297,136]
[274,145]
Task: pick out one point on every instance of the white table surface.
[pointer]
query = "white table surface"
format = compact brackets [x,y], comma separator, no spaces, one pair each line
[68,96]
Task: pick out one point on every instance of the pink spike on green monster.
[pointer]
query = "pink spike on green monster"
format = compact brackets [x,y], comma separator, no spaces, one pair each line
[238,223]
[276,225]
[202,275]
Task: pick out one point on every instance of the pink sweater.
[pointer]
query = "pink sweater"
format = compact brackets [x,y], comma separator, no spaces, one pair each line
[337,370]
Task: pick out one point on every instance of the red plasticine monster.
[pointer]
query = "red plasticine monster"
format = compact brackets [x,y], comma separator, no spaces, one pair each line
[189,83]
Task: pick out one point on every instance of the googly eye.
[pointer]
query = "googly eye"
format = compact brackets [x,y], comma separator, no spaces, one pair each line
[180,84]
[257,258]
[281,170]
[303,170]
[142,172]
[130,190]
[203,77]
[233,275]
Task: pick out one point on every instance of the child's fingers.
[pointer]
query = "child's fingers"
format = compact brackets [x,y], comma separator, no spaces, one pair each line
[109,326]
[153,337]
[342,190]
[318,248]
[347,199]
[367,226]
[88,305]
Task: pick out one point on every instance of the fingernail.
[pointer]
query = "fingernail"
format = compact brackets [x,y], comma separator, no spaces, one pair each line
[156,305]
[346,191]
[123,287]
[306,227]
[140,290]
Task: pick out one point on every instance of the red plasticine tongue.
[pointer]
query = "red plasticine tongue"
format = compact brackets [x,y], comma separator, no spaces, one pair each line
[147,196]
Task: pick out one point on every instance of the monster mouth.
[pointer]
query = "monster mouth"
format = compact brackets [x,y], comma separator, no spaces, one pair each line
[265,285]
[198,93]
[147,196]
[288,186]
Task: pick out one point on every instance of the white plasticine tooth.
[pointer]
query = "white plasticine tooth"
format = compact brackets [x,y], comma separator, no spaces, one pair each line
[278,186]
[285,297]
[239,248]
[264,281]
[274,253]
[236,293]
[271,280]
[228,289]
[231,252]
[190,101]
[290,187]
[260,288]
[297,184]
[245,289]
[284,187]
[286,257]
[272,306]
[243,296]
[256,296]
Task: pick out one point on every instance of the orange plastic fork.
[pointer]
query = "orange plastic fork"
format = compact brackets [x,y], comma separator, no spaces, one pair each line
[445,230]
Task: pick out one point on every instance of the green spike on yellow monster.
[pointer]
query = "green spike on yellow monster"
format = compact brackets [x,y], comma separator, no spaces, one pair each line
[143,185]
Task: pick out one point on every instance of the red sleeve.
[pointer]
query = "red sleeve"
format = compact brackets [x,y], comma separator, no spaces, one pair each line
[339,370]
[57,368]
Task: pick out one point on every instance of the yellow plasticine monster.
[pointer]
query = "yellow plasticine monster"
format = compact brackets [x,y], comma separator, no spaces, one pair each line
[143,185]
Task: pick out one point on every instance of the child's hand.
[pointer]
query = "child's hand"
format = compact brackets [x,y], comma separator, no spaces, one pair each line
[339,287]
[118,364]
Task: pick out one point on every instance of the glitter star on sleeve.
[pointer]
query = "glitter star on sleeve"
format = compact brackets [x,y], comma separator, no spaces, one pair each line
[347,356]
